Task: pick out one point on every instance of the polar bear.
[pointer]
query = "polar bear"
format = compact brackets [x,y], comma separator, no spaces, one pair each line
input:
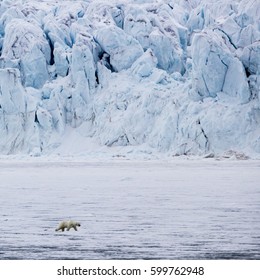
[68,225]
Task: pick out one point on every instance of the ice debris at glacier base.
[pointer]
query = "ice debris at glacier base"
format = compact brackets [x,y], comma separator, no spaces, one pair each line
[170,76]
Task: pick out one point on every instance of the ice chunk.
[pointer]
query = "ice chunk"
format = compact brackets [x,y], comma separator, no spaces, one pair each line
[12,92]
[9,14]
[144,65]
[235,83]
[251,58]
[27,43]
[21,37]
[231,29]
[118,16]
[199,18]
[61,59]
[84,81]
[248,13]
[55,104]
[104,75]
[168,58]
[101,14]
[82,61]
[122,48]
[57,31]
[138,24]
[12,111]
[159,32]
[248,36]
[34,69]
[215,69]
[168,41]
[209,68]
[44,119]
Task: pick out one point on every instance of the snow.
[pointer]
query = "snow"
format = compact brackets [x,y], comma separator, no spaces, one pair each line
[169,209]
[168,77]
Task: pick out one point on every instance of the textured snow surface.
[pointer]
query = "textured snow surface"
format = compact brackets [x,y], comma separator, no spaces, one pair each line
[177,77]
[183,209]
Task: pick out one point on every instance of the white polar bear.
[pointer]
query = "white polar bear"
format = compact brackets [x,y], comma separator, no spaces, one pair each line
[68,225]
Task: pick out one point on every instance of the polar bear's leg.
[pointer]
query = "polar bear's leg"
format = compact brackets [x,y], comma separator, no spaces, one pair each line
[75,227]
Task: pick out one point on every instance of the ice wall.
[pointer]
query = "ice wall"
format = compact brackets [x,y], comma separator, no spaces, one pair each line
[179,77]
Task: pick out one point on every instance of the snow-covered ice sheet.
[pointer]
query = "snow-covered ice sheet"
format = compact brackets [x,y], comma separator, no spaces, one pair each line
[179,209]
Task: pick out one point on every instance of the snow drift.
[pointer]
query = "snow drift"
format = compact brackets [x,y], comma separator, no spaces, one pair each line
[180,77]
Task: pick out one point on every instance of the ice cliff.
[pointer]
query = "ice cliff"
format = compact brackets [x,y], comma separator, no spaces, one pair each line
[179,77]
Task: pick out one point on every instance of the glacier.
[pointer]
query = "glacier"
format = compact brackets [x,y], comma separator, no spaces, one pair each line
[125,77]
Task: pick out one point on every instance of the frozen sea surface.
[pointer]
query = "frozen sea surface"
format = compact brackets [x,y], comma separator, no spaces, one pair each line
[186,209]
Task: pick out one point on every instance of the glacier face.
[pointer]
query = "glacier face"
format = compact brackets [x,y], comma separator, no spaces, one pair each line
[179,77]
